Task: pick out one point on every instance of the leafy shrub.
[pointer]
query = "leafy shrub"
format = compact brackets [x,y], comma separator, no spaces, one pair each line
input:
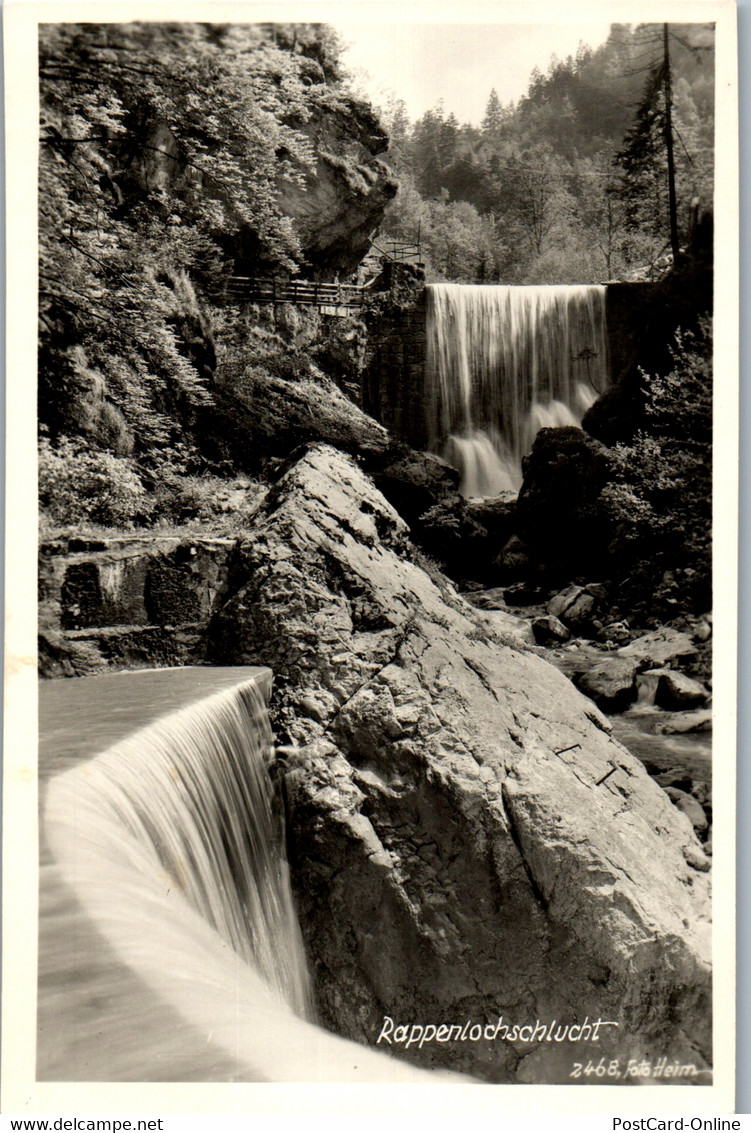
[209,500]
[660,501]
[76,485]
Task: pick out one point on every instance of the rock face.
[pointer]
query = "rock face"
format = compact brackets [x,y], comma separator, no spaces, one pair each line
[467,840]
[342,203]
[558,515]
[508,625]
[414,482]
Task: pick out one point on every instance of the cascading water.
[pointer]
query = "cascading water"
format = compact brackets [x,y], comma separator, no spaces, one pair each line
[504,362]
[169,944]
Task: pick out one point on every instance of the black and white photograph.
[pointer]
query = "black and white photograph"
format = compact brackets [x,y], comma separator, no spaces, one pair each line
[370,668]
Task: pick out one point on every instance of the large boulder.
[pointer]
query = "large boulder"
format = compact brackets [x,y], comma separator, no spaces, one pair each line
[676,691]
[558,514]
[660,647]
[611,682]
[684,723]
[576,606]
[345,195]
[690,807]
[469,845]
[265,417]
[549,630]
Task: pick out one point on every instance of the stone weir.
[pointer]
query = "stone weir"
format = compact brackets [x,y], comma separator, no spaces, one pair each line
[470,847]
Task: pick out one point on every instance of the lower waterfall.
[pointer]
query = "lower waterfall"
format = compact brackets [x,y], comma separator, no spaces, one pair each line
[503,363]
[169,943]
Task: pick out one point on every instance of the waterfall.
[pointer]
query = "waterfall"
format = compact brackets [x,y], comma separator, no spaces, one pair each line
[169,943]
[504,362]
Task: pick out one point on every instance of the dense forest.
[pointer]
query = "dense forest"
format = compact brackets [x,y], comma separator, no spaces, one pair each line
[570,183]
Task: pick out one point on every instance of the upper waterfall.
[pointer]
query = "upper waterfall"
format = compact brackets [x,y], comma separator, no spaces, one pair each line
[504,362]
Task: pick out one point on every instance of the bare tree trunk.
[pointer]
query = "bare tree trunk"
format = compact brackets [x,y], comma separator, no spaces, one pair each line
[667,86]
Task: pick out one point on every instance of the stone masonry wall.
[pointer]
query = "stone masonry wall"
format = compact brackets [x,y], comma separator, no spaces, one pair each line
[626,312]
[130,602]
[394,377]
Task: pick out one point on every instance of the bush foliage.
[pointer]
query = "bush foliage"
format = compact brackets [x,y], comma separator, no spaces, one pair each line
[660,500]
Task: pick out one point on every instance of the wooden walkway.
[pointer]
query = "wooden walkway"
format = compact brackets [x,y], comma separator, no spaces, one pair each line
[331,298]
[344,296]
[400,251]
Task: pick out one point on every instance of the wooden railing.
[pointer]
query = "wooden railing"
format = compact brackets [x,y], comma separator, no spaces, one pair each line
[401,251]
[297,291]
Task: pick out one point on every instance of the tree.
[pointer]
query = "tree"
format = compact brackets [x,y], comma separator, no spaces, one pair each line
[492,123]
[660,501]
[600,212]
[161,147]
[655,161]
[541,170]
[531,193]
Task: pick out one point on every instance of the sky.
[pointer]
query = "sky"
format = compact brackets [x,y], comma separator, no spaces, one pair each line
[423,63]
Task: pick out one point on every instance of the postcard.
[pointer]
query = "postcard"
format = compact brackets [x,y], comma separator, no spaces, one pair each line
[370,666]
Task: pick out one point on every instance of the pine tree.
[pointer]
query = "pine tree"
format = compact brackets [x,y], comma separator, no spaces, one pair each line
[651,159]
[492,123]
[642,160]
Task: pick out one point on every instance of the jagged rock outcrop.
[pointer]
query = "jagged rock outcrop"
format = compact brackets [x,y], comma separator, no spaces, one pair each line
[264,417]
[467,839]
[342,203]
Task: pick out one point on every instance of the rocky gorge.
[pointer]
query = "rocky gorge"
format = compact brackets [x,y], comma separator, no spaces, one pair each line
[491,716]
[465,832]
